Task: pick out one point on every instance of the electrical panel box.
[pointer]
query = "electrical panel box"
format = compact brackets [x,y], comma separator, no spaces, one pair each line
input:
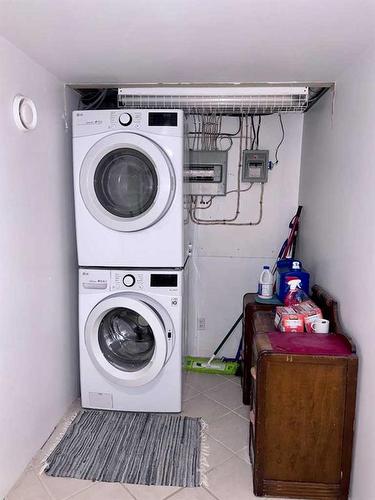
[255,165]
[207,172]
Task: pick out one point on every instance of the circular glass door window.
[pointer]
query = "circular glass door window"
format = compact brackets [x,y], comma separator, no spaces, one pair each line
[126,339]
[125,182]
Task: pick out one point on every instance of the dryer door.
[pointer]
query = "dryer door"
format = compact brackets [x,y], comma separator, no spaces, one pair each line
[127,181]
[126,340]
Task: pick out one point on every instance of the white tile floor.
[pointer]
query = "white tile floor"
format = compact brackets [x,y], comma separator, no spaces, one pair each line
[215,398]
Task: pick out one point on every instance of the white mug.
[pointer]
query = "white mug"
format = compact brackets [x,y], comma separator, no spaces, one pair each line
[320,326]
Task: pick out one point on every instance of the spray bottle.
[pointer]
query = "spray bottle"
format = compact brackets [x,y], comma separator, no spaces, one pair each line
[293,296]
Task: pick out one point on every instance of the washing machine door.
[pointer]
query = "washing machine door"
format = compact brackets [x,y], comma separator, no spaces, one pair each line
[127,181]
[126,340]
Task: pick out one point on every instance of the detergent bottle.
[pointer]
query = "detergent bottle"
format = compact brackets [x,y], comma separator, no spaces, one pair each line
[265,286]
[293,295]
[288,269]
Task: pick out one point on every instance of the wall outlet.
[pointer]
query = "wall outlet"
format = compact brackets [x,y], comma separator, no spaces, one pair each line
[201,323]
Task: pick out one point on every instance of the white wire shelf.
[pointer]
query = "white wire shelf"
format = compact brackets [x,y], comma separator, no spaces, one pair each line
[227,101]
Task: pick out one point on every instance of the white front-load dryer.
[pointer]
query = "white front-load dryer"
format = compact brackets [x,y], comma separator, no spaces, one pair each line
[130,338]
[128,187]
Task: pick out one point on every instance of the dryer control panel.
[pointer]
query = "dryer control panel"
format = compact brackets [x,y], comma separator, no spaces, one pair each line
[99,121]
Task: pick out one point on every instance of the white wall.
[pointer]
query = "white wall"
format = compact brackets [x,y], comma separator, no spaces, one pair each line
[337,234]
[38,342]
[228,260]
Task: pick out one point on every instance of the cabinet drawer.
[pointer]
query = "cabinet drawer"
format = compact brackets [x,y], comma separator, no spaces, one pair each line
[301,401]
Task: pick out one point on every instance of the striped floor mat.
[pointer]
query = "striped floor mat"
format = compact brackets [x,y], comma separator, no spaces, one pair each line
[135,448]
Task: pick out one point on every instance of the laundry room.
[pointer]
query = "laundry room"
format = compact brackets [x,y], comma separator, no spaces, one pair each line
[186,199]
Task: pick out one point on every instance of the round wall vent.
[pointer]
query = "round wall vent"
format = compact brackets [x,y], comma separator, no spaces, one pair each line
[24,113]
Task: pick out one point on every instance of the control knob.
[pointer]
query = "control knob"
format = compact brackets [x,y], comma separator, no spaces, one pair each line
[128,280]
[125,119]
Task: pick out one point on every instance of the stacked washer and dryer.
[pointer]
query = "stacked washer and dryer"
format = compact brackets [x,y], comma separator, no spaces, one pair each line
[132,248]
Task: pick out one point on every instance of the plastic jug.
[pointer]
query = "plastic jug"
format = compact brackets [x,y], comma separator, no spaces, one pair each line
[265,286]
[288,269]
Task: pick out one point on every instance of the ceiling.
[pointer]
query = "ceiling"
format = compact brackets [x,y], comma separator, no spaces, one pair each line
[124,41]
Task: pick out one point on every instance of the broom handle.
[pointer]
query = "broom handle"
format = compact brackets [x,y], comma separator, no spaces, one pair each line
[291,239]
[226,336]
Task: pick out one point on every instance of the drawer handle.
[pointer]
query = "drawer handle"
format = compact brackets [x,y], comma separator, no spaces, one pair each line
[252,417]
[253,372]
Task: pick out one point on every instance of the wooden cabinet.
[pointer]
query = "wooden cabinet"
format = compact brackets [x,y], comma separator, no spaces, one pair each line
[302,406]
[257,318]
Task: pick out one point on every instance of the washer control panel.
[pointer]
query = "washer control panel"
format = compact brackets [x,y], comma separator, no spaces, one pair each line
[160,282]
[167,283]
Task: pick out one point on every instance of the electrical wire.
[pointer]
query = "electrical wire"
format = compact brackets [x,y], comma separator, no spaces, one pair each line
[230,143]
[92,100]
[253,132]
[282,140]
[220,221]
[210,134]
[247,131]
[258,129]
[232,221]
[195,130]
[241,190]
[250,223]
[219,132]
[250,134]
[208,203]
[226,134]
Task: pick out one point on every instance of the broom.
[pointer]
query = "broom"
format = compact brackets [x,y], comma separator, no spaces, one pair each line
[212,364]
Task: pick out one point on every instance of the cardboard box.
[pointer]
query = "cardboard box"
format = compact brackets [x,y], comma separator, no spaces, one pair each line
[310,313]
[288,320]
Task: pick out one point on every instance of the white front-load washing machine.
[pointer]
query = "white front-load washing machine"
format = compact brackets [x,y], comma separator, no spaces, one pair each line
[130,338]
[128,188]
